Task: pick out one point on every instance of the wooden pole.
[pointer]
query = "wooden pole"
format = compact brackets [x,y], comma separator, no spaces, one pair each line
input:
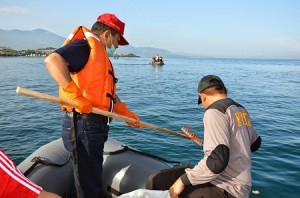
[54,99]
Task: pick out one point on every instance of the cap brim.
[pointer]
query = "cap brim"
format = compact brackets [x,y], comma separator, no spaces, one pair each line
[199,100]
[123,41]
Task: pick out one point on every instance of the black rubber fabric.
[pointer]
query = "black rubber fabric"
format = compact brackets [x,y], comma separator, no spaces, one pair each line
[218,159]
[164,179]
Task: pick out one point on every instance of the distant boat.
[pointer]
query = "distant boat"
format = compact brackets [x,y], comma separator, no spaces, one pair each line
[157,63]
[157,60]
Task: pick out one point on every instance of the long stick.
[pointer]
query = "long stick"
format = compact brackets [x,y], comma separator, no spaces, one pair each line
[54,99]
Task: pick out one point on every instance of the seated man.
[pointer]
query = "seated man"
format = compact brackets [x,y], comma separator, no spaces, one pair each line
[229,139]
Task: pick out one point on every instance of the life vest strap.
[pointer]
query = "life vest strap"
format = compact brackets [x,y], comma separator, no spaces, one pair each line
[112,73]
[111,97]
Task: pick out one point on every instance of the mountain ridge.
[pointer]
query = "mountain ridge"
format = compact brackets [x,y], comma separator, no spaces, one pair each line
[29,39]
[39,38]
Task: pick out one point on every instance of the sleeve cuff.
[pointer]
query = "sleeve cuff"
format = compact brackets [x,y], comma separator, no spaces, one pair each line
[185,180]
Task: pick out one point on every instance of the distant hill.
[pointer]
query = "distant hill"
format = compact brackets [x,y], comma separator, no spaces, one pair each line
[34,39]
[145,51]
[39,38]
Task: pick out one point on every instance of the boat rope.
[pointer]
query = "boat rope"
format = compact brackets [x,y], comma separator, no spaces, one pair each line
[126,148]
[46,162]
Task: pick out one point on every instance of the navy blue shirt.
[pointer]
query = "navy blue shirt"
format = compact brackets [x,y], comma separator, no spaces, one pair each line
[76,54]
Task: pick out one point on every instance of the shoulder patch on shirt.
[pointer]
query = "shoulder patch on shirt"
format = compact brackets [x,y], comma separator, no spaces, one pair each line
[218,160]
[223,104]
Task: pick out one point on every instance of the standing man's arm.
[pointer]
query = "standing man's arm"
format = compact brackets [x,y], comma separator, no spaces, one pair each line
[58,69]
[69,58]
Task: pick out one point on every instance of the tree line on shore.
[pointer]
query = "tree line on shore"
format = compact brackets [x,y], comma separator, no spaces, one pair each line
[6,51]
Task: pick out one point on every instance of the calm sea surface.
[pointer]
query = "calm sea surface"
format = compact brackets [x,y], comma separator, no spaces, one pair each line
[166,96]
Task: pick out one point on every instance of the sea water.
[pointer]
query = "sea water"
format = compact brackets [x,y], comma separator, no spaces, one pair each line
[166,96]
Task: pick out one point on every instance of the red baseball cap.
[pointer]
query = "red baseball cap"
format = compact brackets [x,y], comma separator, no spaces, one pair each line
[112,21]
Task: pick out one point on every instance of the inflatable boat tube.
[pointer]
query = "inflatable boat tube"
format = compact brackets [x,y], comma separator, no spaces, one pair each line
[124,168]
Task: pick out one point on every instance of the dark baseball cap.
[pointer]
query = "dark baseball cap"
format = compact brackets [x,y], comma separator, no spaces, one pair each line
[207,82]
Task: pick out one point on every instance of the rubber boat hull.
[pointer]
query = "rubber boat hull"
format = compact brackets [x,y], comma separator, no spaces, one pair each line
[158,63]
[124,168]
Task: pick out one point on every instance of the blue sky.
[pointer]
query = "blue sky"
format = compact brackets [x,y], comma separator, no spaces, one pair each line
[211,28]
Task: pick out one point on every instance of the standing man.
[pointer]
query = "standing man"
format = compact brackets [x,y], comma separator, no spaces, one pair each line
[14,184]
[229,139]
[86,76]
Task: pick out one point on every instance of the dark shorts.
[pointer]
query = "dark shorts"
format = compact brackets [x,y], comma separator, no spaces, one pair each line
[165,179]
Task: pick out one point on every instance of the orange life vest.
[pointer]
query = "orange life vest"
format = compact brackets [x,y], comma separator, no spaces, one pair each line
[97,79]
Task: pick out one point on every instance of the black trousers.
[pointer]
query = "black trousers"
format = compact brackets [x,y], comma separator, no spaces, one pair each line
[165,179]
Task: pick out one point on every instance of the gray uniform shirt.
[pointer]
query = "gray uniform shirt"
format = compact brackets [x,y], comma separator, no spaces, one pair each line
[229,138]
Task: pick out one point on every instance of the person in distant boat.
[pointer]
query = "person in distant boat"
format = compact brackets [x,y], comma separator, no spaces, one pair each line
[229,139]
[156,58]
[14,184]
[86,77]
[160,59]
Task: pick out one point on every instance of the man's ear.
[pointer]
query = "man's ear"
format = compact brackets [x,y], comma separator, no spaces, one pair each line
[107,33]
[203,97]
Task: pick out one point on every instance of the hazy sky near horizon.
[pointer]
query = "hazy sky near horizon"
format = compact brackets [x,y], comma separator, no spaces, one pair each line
[215,28]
